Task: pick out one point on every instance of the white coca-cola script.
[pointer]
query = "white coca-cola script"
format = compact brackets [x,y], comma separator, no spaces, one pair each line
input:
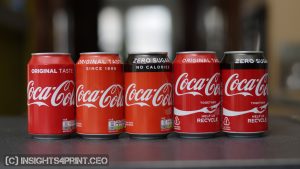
[110,97]
[63,94]
[161,96]
[194,86]
[235,86]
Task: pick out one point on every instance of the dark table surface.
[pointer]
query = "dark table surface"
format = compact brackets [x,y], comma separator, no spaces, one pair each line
[279,149]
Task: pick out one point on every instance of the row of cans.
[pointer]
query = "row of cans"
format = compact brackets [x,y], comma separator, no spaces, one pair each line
[148,96]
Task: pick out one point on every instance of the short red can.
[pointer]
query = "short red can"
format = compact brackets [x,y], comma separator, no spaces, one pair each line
[148,95]
[244,93]
[50,95]
[99,95]
[196,94]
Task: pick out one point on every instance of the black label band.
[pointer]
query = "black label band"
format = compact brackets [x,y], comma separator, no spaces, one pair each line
[165,67]
[244,66]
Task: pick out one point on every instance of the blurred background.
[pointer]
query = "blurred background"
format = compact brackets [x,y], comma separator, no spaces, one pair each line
[123,26]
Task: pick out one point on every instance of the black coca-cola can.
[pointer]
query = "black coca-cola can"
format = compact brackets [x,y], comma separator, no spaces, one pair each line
[244,93]
[148,95]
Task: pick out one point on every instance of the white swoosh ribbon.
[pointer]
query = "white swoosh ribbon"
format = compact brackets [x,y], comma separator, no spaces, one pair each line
[139,104]
[255,110]
[86,105]
[208,110]
[38,103]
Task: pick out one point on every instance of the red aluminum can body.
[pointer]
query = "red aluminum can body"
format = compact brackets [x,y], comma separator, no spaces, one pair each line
[244,93]
[196,94]
[148,98]
[99,95]
[50,95]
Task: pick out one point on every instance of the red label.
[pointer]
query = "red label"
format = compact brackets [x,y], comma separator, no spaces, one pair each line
[148,102]
[245,102]
[50,99]
[99,95]
[197,95]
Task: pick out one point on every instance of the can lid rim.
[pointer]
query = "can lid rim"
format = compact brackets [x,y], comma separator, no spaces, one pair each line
[194,52]
[49,53]
[242,52]
[147,53]
[103,53]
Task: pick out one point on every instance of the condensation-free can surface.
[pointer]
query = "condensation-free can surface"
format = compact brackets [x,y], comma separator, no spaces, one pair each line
[196,94]
[244,93]
[99,95]
[148,95]
[50,95]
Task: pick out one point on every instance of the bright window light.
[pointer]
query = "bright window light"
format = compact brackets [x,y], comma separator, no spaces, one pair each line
[148,28]
[60,31]
[110,29]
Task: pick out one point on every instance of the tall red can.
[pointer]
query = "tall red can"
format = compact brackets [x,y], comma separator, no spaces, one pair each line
[50,95]
[148,98]
[196,94]
[244,93]
[99,95]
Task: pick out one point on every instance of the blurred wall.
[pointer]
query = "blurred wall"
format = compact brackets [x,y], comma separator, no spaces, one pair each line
[12,48]
[283,31]
[220,25]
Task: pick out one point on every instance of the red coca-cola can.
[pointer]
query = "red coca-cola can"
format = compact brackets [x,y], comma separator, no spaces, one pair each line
[244,93]
[99,95]
[50,95]
[148,95]
[196,94]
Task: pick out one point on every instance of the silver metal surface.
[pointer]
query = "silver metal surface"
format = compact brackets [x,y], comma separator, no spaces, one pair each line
[49,53]
[195,52]
[242,52]
[148,53]
[101,53]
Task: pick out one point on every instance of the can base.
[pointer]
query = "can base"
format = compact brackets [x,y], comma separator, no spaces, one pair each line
[196,136]
[50,137]
[245,135]
[148,136]
[99,137]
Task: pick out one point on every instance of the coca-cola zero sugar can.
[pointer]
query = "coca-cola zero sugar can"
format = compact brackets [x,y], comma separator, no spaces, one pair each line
[244,93]
[50,95]
[196,94]
[148,98]
[99,95]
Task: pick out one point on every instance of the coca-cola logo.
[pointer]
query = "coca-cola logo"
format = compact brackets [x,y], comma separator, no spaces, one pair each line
[63,94]
[161,96]
[110,97]
[194,86]
[235,86]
